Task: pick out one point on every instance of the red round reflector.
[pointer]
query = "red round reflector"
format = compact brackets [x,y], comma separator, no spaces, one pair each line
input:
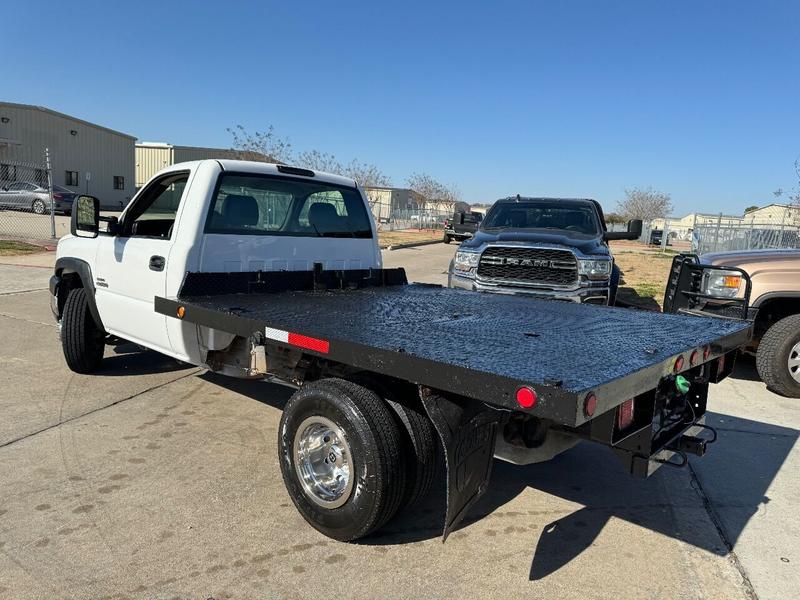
[678,364]
[694,358]
[590,405]
[526,397]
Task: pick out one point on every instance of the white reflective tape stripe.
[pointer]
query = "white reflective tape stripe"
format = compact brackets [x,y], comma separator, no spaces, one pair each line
[277,334]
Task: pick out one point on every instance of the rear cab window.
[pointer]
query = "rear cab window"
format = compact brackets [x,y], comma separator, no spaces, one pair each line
[260,204]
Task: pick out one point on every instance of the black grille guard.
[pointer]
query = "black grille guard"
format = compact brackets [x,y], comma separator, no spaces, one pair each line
[683,293]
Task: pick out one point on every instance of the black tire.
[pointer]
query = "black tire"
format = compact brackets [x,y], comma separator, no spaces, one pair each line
[447,239]
[38,206]
[82,341]
[774,352]
[421,446]
[376,457]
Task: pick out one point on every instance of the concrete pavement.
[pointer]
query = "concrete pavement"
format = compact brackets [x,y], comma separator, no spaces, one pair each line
[154,480]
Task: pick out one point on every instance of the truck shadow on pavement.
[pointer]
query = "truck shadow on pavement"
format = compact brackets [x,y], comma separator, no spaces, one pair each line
[706,505]
[128,359]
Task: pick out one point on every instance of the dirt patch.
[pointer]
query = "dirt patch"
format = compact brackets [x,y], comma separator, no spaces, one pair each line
[9,248]
[644,277]
[408,236]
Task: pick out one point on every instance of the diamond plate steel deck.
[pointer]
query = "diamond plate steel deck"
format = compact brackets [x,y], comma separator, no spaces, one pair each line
[480,345]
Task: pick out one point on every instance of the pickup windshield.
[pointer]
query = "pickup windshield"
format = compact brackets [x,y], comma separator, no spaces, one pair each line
[565,216]
[253,204]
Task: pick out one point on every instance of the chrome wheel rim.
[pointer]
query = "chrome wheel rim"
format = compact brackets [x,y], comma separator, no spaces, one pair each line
[794,362]
[38,207]
[323,462]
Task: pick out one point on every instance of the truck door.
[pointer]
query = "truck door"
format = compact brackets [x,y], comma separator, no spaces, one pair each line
[131,267]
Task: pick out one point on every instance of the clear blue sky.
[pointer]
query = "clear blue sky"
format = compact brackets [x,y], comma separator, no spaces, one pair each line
[698,99]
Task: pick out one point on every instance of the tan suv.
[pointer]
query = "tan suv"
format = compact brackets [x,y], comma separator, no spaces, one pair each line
[774,307]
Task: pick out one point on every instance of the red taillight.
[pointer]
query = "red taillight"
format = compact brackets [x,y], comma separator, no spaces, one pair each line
[694,358]
[625,414]
[590,405]
[58,197]
[706,352]
[526,397]
[678,364]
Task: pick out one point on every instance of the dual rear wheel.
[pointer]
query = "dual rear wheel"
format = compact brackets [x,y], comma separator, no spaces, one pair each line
[350,459]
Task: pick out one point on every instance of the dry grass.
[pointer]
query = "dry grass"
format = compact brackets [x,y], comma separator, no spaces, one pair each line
[9,248]
[644,275]
[408,236]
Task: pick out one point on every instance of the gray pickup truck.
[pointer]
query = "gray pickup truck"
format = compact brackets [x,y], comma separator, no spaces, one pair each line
[545,247]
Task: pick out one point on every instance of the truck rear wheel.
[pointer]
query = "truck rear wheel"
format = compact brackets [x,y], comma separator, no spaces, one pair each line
[421,449]
[81,339]
[778,357]
[341,457]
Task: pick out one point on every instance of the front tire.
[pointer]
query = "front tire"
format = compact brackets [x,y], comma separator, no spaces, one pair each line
[778,357]
[38,207]
[82,340]
[341,458]
[447,239]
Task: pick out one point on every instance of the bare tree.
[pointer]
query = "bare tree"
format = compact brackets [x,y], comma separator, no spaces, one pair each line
[615,218]
[319,161]
[264,143]
[645,204]
[367,174]
[433,190]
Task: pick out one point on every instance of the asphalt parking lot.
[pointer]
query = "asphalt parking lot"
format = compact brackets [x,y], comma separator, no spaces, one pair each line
[154,480]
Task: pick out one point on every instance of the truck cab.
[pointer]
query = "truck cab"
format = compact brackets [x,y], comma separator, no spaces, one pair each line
[211,216]
[545,247]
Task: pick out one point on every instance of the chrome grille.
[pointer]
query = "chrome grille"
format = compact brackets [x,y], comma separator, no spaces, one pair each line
[528,266]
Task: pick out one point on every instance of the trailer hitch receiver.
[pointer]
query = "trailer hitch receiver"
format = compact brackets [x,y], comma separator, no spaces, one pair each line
[468,431]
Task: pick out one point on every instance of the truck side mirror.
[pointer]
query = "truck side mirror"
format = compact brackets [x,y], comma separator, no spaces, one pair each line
[635,226]
[85,220]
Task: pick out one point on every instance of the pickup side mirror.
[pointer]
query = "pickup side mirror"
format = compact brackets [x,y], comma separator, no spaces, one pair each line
[634,232]
[85,220]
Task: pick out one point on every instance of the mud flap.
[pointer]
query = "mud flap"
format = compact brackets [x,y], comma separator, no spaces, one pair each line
[468,430]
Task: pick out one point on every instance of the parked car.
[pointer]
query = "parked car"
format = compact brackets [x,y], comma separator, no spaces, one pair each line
[461,226]
[656,236]
[546,247]
[27,196]
[774,306]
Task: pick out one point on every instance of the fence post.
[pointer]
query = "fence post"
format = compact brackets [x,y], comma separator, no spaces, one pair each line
[716,235]
[665,235]
[50,192]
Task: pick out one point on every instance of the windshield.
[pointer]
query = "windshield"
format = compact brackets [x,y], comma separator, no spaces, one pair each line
[579,218]
[268,205]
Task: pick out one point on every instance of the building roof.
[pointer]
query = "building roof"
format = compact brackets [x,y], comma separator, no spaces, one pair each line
[64,116]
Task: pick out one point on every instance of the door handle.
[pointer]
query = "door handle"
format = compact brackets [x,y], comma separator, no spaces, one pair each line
[157,263]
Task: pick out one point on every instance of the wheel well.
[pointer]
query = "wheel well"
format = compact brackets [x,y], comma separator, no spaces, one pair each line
[772,311]
[70,280]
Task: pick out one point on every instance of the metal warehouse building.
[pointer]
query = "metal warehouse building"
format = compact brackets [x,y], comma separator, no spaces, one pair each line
[84,157]
[151,157]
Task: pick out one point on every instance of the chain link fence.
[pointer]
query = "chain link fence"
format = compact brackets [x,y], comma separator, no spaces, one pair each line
[29,201]
[722,237]
[389,219]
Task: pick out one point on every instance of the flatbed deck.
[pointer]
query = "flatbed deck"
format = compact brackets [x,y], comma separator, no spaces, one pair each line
[483,346]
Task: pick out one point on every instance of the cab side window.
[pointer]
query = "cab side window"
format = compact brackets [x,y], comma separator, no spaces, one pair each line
[153,215]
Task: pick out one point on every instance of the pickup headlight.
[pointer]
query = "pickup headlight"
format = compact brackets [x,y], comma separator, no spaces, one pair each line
[720,283]
[465,261]
[594,269]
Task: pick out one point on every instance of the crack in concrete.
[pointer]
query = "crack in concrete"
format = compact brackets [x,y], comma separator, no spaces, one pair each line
[717,522]
[98,409]
[8,316]
[780,435]
[22,291]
